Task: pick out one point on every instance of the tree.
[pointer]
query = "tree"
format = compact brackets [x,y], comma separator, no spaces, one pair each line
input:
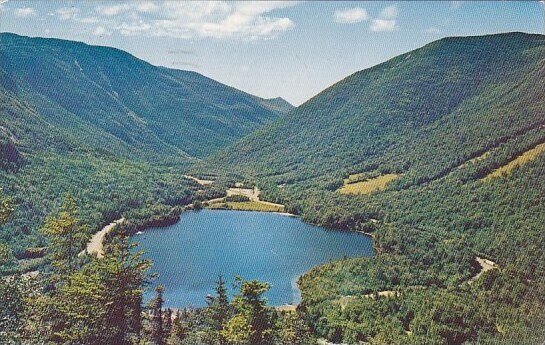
[239,331]
[167,322]
[156,308]
[97,304]
[252,323]
[11,299]
[66,235]
[178,331]
[292,330]
[5,207]
[218,306]
[124,272]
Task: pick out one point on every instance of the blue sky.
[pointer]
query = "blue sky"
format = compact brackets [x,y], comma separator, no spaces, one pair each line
[288,49]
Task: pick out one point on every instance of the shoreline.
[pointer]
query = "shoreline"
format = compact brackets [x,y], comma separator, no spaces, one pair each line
[96,243]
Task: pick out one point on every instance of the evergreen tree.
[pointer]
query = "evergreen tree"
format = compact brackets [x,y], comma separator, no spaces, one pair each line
[178,331]
[66,236]
[123,272]
[156,307]
[167,322]
[218,306]
[11,299]
[252,323]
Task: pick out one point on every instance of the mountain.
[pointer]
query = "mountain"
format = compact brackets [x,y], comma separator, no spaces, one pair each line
[110,100]
[438,154]
[418,114]
[109,129]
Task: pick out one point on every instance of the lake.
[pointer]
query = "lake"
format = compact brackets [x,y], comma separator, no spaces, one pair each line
[189,255]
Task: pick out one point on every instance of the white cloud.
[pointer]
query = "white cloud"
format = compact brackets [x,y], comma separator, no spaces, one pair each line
[350,15]
[147,7]
[101,31]
[132,29]
[123,8]
[2,2]
[113,10]
[218,19]
[25,12]
[381,25]
[389,12]
[73,13]
[88,20]
[66,13]
[386,21]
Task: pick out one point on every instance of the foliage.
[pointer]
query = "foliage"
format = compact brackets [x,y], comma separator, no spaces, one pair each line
[218,310]
[97,304]
[520,160]
[5,208]
[441,117]
[236,198]
[66,237]
[117,103]
[157,332]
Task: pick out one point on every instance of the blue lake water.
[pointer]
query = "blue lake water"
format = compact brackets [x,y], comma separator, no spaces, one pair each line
[189,255]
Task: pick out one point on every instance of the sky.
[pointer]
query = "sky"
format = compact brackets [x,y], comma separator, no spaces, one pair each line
[269,49]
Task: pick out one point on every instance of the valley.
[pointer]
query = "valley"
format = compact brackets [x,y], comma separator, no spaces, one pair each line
[436,154]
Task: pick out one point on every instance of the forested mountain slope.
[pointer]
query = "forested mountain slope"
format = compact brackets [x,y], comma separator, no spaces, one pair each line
[457,128]
[420,114]
[107,128]
[110,99]
[41,163]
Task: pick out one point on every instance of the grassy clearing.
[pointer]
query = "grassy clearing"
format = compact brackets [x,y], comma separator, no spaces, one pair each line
[248,206]
[368,186]
[520,160]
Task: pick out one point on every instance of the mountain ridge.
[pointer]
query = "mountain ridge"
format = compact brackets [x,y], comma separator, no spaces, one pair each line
[108,91]
[370,113]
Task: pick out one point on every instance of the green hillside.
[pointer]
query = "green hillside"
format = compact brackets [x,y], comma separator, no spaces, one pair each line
[107,128]
[111,100]
[438,154]
[437,122]
[421,114]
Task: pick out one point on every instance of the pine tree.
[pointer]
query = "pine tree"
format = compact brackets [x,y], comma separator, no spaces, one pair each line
[124,272]
[218,306]
[66,236]
[252,323]
[156,308]
[179,330]
[167,322]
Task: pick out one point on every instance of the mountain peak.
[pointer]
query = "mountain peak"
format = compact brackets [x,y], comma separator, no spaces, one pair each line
[143,110]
